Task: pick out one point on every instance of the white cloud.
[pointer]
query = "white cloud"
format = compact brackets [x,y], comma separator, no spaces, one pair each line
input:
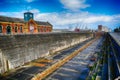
[19,14]
[12,14]
[74,5]
[13,1]
[29,1]
[65,20]
[35,11]
[19,1]
[72,18]
[93,19]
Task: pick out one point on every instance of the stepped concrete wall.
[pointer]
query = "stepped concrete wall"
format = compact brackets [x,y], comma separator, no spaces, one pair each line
[16,50]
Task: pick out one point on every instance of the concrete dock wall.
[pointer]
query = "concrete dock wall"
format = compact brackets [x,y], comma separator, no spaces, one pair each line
[16,50]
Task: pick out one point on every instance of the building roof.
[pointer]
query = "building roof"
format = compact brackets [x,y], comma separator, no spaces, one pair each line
[28,12]
[10,19]
[20,20]
[43,23]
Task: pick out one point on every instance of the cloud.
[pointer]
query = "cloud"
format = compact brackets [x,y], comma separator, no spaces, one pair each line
[35,11]
[19,14]
[74,5]
[12,14]
[94,19]
[13,1]
[66,20]
[29,1]
[19,1]
[72,18]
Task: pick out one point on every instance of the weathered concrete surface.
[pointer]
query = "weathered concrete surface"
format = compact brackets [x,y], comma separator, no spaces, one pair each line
[77,67]
[116,37]
[15,50]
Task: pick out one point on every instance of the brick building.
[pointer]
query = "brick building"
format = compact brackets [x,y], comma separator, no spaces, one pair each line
[10,25]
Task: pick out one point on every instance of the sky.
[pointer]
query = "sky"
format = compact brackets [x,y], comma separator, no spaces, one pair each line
[66,14]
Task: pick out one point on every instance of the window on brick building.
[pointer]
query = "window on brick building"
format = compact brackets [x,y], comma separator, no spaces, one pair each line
[38,29]
[31,28]
[44,29]
[0,29]
[21,29]
[16,29]
[8,29]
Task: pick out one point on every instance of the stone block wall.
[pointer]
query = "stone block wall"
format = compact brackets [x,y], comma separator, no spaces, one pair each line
[16,50]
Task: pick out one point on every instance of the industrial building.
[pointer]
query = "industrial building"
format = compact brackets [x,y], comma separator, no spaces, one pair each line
[103,28]
[10,25]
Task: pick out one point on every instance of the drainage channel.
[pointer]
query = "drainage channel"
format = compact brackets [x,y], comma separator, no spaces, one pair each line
[115,55]
[73,68]
[111,60]
[26,73]
[108,63]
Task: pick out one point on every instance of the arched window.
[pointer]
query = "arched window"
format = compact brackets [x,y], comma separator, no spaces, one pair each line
[38,29]
[21,29]
[44,29]
[0,29]
[8,29]
[16,29]
[31,28]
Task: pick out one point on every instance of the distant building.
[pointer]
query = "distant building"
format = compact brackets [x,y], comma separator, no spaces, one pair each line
[99,27]
[60,30]
[77,29]
[103,28]
[10,25]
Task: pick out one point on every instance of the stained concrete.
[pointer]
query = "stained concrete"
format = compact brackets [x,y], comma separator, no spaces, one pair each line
[34,70]
[116,37]
[16,50]
[77,67]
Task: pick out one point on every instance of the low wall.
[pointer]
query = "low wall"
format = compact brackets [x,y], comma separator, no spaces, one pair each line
[16,50]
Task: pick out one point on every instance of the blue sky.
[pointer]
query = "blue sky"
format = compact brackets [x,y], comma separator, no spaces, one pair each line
[67,13]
